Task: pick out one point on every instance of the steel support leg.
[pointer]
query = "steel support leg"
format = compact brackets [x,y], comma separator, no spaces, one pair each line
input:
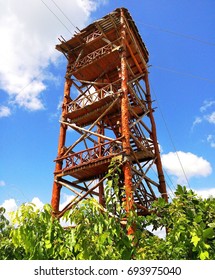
[55,202]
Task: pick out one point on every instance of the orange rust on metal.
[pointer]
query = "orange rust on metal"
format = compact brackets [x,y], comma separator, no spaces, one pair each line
[111,116]
[101,194]
[162,187]
[100,142]
[61,144]
[125,116]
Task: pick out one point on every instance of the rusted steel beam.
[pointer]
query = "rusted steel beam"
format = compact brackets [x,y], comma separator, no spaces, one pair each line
[66,183]
[138,47]
[134,58]
[101,141]
[89,131]
[71,205]
[61,143]
[125,116]
[101,192]
[91,127]
[143,208]
[162,183]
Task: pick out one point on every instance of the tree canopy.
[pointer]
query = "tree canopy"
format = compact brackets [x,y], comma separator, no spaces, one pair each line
[97,235]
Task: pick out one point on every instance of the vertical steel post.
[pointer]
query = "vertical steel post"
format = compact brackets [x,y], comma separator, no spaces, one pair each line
[162,183]
[125,122]
[55,201]
[100,142]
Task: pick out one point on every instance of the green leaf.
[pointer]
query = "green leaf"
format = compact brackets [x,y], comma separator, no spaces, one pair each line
[104,237]
[204,255]
[208,233]
[211,225]
[110,183]
[95,228]
[100,228]
[195,240]
[198,218]
[48,244]
[179,190]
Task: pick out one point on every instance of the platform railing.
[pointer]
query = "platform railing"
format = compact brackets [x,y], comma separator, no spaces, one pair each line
[98,152]
[94,96]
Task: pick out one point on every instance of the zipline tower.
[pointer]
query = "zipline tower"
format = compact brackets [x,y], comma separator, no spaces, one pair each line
[107,114]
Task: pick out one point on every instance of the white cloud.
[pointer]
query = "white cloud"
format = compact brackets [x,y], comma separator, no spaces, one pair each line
[161,233]
[192,165]
[10,205]
[206,104]
[2,183]
[211,118]
[211,140]
[208,117]
[66,199]
[205,117]
[38,203]
[206,193]
[4,111]
[197,121]
[29,31]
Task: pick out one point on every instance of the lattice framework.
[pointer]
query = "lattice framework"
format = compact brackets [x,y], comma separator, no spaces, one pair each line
[111,116]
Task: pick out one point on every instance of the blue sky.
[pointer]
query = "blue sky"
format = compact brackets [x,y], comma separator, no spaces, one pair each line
[180,39]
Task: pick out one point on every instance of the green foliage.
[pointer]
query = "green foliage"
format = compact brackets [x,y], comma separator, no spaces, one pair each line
[34,234]
[3,222]
[113,193]
[99,234]
[6,246]
[190,223]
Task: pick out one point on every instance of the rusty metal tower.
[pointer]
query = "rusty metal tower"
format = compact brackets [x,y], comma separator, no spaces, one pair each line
[107,113]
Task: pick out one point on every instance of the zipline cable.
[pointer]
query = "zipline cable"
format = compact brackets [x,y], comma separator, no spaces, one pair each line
[56,17]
